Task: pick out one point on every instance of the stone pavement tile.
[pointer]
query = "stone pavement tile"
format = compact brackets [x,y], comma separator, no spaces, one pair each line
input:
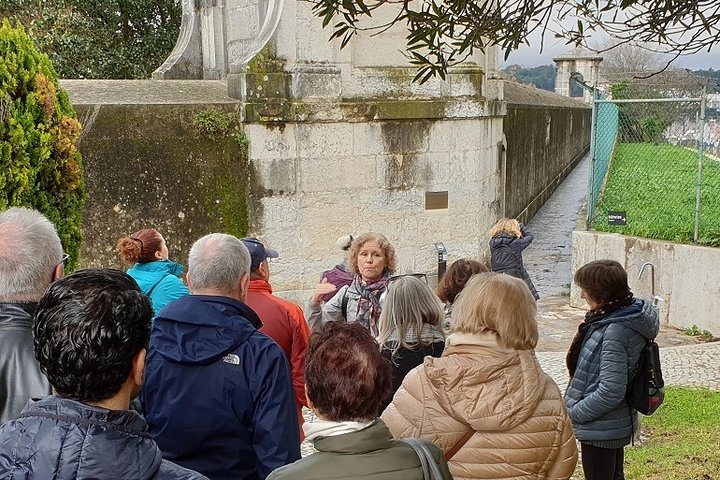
[306,447]
[558,322]
[694,365]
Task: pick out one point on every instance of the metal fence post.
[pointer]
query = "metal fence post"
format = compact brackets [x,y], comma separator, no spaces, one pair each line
[701,155]
[591,187]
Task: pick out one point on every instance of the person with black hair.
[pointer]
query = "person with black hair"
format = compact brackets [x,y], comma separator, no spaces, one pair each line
[91,330]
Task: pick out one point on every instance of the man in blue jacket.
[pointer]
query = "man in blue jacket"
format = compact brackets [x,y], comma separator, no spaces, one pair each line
[218,395]
[91,329]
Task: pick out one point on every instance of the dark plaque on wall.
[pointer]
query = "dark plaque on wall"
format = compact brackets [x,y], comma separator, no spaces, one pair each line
[617,218]
[436,200]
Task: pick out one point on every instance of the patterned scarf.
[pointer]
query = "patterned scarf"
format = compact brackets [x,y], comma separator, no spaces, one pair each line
[592,316]
[369,308]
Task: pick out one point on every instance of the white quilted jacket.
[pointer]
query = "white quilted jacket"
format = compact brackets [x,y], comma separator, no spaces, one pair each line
[522,430]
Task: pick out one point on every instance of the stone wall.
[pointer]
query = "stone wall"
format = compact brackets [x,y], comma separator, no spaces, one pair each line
[147,165]
[420,171]
[686,276]
[545,136]
[324,180]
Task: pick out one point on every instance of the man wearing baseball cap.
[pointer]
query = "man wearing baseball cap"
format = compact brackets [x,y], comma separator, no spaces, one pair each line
[283,321]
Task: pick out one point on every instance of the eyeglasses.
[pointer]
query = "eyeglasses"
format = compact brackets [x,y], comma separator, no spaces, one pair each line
[64,259]
[419,276]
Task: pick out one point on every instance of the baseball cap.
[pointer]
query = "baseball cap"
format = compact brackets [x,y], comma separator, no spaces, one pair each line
[258,252]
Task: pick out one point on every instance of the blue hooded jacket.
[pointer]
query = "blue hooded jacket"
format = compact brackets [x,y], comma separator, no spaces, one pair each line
[218,396]
[59,438]
[595,397]
[159,280]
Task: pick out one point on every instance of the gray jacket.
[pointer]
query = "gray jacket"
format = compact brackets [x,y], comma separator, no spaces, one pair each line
[332,311]
[595,397]
[512,263]
[20,375]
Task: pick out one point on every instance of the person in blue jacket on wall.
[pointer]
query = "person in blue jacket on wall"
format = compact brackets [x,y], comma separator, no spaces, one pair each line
[218,397]
[157,276]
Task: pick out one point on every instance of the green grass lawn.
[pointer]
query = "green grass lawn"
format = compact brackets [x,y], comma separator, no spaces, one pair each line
[655,185]
[684,439]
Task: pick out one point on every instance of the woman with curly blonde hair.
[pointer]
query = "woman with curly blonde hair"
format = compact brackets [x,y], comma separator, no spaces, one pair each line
[508,238]
[371,259]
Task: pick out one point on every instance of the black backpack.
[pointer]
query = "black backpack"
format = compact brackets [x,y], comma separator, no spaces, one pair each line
[646,390]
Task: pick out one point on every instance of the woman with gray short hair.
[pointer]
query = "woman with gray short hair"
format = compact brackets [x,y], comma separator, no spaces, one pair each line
[410,325]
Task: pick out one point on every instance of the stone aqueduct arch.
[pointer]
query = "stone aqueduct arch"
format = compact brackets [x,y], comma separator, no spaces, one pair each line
[577,61]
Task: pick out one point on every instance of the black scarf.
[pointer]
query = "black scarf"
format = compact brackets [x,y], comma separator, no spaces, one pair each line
[592,316]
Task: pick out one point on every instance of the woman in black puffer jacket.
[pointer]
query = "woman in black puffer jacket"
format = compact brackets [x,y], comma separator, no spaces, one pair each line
[508,238]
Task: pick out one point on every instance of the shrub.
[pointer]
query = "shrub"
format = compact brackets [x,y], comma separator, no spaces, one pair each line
[40,165]
[213,122]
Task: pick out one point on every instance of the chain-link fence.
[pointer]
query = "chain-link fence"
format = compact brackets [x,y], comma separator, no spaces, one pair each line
[656,168]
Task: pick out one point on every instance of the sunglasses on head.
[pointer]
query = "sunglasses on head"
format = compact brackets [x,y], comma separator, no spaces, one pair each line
[420,276]
[64,259]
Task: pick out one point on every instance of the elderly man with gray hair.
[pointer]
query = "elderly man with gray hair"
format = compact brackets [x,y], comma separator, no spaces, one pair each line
[31,258]
[218,396]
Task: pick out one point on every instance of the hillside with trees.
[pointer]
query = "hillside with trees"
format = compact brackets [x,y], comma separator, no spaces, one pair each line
[542,77]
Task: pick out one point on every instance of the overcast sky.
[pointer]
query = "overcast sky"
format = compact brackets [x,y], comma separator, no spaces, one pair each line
[530,56]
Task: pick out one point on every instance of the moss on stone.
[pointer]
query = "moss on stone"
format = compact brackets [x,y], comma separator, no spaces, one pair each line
[149,166]
[227,196]
[266,62]
[411,109]
[266,77]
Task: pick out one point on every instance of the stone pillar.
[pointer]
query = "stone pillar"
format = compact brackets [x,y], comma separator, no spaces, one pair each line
[578,61]
[343,141]
[186,60]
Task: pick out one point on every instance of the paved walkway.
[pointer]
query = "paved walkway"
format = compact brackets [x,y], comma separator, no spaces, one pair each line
[693,365]
[686,361]
[548,258]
